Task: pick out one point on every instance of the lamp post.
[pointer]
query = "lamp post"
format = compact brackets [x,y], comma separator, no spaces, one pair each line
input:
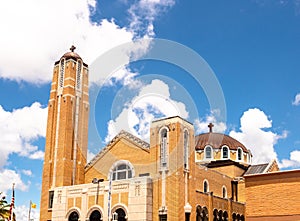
[109,195]
[97,181]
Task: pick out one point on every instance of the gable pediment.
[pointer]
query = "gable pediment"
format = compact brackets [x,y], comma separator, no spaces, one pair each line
[120,147]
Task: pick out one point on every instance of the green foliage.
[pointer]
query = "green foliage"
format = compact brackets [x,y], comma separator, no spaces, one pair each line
[4,208]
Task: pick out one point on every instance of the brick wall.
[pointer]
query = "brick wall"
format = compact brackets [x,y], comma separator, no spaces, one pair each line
[273,194]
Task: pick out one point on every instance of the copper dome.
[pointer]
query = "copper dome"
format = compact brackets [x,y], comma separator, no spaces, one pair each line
[71,54]
[217,140]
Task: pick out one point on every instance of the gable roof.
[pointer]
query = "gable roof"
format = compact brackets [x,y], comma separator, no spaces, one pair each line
[123,134]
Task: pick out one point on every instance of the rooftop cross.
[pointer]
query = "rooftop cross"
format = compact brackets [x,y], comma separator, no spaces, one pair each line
[210,125]
[72,48]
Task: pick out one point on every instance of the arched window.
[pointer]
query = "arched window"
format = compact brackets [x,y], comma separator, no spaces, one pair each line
[225,152]
[205,186]
[233,217]
[95,216]
[61,73]
[208,153]
[78,76]
[225,215]
[73,216]
[122,170]
[224,192]
[164,148]
[201,213]
[239,154]
[186,149]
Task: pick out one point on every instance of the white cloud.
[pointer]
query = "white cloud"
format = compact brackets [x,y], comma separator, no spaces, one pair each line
[153,101]
[293,162]
[90,156]
[35,33]
[22,213]
[144,12]
[37,155]
[27,172]
[254,136]
[19,129]
[201,125]
[296,102]
[13,177]
[125,77]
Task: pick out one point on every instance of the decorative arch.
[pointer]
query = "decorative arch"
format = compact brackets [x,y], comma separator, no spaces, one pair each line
[72,211]
[225,152]
[122,169]
[225,215]
[208,153]
[215,214]
[201,213]
[92,209]
[234,217]
[220,215]
[118,206]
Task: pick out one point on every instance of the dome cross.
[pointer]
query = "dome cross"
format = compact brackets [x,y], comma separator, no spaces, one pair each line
[210,125]
[72,48]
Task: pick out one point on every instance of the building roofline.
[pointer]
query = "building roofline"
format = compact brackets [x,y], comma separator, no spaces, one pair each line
[167,118]
[273,173]
[221,163]
[123,134]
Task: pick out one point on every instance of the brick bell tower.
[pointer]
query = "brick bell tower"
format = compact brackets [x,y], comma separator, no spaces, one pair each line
[171,148]
[67,128]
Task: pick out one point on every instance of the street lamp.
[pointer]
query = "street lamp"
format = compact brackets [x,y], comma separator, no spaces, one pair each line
[97,181]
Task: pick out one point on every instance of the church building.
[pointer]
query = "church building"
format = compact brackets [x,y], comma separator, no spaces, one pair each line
[177,176]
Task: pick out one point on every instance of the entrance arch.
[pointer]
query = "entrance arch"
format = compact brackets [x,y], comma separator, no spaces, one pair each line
[95,216]
[73,216]
[119,215]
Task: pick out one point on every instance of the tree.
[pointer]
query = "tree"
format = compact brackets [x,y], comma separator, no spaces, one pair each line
[4,208]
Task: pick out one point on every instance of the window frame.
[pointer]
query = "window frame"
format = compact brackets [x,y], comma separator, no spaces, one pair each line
[114,172]
[224,191]
[79,67]
[211,153]
[51,199]
[228,153]
[186,146]
[237,154]
[164,148]
[205,181]
[61,74]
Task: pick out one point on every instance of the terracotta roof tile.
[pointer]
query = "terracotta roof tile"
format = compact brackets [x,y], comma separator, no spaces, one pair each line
[217,140]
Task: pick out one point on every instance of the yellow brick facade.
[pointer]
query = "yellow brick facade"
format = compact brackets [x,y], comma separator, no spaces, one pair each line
[273,196]
[166,179]
[67,129]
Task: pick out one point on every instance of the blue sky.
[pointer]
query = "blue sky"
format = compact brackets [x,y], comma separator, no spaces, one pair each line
[252,48]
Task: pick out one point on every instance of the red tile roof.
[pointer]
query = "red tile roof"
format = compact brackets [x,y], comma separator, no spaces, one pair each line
[217,140]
